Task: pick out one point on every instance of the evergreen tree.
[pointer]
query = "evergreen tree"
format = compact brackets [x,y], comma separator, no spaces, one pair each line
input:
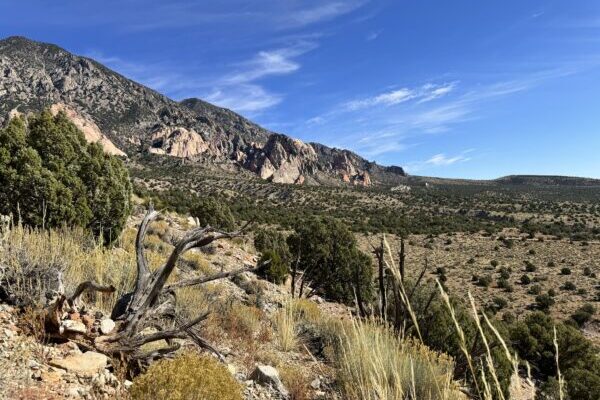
[50,176]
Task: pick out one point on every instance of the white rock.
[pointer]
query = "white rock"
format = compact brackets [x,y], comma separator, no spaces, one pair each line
[107,326]
[127,384]
[73,326]
[86,364]
[316,383]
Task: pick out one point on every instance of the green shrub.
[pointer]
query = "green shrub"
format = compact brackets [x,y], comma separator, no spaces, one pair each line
[583,314]
[213,212]
[544,302]
[50,176]
[565,271]
[535,290]
[569,286]
[485,281]
[328,254]
[525,279]
[188,376]
[529,267]
[504,273]
[533,338]
[276,271]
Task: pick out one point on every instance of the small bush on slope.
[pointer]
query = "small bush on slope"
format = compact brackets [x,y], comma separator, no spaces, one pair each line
[213,212]
[186,377]
[331,261]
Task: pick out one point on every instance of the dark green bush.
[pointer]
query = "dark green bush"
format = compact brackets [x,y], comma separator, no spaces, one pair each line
[535,290]
[50,176]
[328,254]
[533,338]
[565,271]
[525,279]
[583,314]
[544,302]
[485,281]
[276,271]
[214,212]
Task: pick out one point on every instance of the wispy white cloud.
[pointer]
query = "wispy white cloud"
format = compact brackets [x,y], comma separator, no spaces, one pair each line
[323,11]
[373,35]
[270,62]
[425,93]
[442,160]
[439,160]
[243,98]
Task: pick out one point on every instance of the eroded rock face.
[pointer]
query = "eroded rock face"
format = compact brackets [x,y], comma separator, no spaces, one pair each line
[126,117]
[178,142]
[89,128]
[283,160]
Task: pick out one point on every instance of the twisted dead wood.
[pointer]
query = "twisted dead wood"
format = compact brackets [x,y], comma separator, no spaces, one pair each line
[152,302]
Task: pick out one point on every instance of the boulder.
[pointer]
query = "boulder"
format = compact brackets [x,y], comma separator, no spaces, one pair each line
[107,326]
[70,325]
[267,375]
[86,364]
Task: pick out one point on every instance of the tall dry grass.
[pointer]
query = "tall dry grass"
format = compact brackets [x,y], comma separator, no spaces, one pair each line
[374,363]
[34,263]
[286,327]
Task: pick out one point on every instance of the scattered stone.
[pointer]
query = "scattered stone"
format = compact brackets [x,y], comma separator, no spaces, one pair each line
[267,375]
[231,368]
[86,364]
[73,326]
[107,326]
[316,383]
[88,320]
[127,384]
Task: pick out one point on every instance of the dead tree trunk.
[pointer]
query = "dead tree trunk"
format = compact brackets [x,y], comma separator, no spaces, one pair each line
[402,259]
[151,304]
[379,254]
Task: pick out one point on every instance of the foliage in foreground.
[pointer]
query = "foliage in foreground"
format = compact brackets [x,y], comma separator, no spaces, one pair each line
[330,259]
[50,175]
[186,377]
[375,363]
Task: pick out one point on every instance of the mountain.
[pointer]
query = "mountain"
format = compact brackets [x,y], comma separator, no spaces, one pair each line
[130,119]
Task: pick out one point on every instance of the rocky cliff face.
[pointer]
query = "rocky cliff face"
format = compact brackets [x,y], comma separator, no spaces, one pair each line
[128,118]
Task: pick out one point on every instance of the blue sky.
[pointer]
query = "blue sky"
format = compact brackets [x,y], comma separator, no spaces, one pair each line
[474,89]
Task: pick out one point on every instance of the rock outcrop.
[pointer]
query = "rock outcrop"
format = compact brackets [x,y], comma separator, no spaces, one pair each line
[128,119]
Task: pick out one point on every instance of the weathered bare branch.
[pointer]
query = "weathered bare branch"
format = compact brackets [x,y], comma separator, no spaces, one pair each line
[143,273]
[205,279]
[87,286]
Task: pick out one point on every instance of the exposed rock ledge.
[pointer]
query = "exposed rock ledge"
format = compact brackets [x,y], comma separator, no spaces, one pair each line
[89,128]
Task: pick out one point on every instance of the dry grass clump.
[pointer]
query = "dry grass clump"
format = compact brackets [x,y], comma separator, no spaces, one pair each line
[186,377]
[296,382]
[238,320]
[197,261]
[286,327]
[35,262]
[375,363]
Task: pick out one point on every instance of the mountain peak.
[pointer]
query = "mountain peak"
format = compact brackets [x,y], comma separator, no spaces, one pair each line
[135,119]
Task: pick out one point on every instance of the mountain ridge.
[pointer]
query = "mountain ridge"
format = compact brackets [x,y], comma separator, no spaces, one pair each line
[136,119]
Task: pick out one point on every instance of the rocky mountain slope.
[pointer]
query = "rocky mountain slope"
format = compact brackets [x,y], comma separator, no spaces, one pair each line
[129,119]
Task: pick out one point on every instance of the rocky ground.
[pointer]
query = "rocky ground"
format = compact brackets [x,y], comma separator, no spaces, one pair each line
[242,328]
